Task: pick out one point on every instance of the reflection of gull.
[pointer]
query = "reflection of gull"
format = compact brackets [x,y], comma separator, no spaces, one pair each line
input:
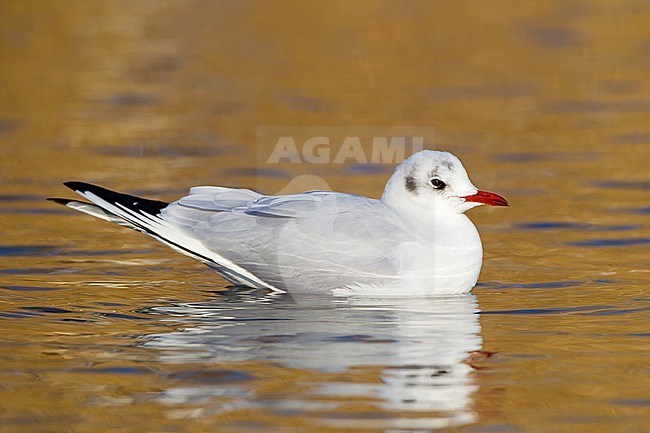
[435,340]
[418,346]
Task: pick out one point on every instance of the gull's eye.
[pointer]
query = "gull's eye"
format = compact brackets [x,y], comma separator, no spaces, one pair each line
[437,183]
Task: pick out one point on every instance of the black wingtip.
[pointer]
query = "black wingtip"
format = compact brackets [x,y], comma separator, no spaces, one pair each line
[63,201]
[152,207]
[76,185]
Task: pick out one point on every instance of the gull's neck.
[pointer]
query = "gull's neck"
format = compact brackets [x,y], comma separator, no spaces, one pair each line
[434,220]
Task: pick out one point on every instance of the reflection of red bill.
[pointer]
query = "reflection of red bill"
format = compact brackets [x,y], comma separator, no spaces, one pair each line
[485,197]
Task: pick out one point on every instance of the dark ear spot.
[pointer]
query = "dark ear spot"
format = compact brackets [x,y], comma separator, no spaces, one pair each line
[410,184]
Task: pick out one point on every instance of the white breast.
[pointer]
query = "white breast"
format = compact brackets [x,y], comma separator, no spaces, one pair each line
[446,260]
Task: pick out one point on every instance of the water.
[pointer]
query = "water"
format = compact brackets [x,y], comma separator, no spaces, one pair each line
[105,330]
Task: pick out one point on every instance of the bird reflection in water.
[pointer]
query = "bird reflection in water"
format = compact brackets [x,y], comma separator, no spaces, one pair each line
[419,347]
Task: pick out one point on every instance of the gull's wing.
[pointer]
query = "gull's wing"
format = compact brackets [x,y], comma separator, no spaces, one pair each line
[218,199]
[145,216]
[309,241]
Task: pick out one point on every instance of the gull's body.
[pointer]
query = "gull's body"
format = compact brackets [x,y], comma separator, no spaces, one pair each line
[415,240]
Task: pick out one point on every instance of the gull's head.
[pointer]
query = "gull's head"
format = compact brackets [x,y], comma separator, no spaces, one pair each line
[437,182]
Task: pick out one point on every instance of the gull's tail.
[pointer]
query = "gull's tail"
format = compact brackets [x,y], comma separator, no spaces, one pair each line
[144,215]
[103,200]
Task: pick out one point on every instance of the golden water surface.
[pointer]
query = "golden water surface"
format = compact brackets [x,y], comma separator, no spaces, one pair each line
[105,330]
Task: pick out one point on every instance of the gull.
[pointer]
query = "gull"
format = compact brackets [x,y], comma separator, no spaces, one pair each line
[414,241]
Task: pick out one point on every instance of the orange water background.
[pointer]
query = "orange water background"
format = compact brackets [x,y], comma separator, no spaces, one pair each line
[545,102]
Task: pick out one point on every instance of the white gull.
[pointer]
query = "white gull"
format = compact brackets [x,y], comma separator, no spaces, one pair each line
[414,241]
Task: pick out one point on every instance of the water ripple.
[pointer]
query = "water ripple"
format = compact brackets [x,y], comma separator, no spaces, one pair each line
[620,184]
[556,225]
[28,288]
[544,310]
[27,250]
[620,242]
